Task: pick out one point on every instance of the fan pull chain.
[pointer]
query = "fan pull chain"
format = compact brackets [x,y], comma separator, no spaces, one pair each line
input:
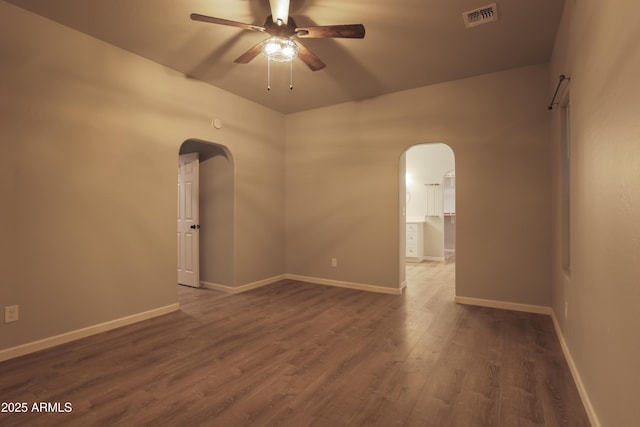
[290,75]
[268,73]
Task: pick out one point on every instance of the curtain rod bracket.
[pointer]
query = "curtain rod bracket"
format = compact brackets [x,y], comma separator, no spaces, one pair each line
[553,101]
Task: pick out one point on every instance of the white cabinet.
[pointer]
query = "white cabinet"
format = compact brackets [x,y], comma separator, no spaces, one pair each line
[414,241]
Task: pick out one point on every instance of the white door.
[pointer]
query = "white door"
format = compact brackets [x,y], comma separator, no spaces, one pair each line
[188,221]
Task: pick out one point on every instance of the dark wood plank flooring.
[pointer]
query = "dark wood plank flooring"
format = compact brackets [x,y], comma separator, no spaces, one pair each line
[297,354]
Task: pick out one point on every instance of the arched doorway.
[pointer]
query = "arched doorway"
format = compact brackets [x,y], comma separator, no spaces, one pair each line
[216,249]
[428,237]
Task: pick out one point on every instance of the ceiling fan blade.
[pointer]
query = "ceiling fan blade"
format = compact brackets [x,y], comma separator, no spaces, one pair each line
[309,58]
[212,20]
[350,31]
[280,10]
[246,57]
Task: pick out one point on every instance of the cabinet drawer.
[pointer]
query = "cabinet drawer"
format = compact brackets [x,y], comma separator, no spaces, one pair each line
[412,228]
[413,244]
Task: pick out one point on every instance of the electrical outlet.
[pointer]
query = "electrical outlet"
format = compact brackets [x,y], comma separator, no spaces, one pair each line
[334,262]
[11,314]
[566,309]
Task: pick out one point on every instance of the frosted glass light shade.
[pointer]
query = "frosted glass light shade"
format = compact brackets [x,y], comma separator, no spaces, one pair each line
[280,49]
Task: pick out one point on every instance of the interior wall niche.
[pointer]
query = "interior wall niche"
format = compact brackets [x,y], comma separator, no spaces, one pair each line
[217,246]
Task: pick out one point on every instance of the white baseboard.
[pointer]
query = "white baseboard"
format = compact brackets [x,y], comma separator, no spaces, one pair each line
[527,308]
[317,280]
[42,344]
[243,288]
[218,287]
[593,418]
[349,285]
[425,258]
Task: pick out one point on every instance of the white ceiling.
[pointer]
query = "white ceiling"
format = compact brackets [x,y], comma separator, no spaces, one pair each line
[408,43]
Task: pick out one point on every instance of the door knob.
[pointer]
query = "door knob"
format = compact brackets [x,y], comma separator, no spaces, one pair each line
[194,226]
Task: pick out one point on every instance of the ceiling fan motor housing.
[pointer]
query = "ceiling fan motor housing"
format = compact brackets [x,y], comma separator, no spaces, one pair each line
[280,30]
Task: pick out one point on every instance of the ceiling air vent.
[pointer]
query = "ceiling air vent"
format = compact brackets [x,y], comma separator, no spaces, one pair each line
[480,16]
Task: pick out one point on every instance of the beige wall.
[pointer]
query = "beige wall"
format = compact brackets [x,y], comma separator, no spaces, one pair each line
[597,47]
[9,221]
[216,217]
[342,183]
[90,139]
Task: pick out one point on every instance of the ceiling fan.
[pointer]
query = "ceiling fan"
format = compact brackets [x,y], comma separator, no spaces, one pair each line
[283,45]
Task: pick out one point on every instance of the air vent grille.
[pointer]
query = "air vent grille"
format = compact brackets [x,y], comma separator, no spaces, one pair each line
[480,16]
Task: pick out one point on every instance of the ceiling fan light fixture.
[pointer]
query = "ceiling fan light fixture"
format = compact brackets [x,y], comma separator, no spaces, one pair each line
[280,49]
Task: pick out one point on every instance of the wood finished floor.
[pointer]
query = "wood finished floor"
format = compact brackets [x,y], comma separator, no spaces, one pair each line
[297,354]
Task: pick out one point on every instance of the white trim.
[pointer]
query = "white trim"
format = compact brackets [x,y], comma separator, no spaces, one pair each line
[424,258]
[243,288]
[314,280]
[66,337]
[217,287]
[527,308]
[349,285]
[591,413]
